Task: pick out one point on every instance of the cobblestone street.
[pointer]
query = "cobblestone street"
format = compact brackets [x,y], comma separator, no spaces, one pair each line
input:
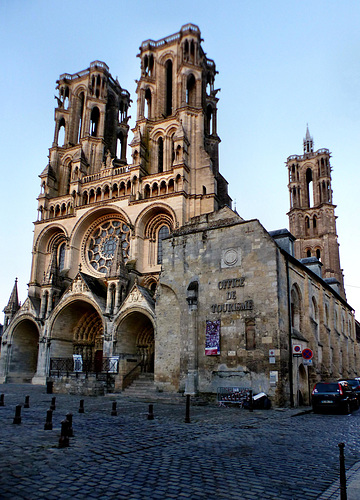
[222,453]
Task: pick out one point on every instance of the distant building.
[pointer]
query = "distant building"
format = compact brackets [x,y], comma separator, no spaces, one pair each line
[143,266]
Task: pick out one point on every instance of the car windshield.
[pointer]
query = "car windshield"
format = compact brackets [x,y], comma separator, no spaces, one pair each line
[327,387]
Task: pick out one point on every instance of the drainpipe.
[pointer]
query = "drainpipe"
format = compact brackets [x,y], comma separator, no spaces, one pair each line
[291,381]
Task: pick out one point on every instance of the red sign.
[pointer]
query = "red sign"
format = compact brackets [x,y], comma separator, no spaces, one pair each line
[307,354]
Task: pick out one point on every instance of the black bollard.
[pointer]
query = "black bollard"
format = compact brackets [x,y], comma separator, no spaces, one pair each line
[113,411]
[64,436]
[53,405]
[48,424]
[70,427]
[2,403]
[251,407]
[187,413]
[343,494]
[27,402]
[81,407]
[151,413]
[17,418]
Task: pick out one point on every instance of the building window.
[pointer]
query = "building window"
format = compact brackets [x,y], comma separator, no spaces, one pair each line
[163,233]
[61,256]
[160,155]
[102,243]
[169,87]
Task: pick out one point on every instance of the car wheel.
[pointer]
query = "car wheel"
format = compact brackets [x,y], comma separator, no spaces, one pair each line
[347,408]
[315,409]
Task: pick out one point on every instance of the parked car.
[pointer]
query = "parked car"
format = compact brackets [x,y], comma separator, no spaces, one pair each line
[334,395]
[354,384]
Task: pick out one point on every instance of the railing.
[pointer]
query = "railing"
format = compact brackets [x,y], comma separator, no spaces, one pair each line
[132,374]
[65,366]
[170,38]
[108,172]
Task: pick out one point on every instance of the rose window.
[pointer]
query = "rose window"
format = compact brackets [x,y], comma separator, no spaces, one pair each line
[102,243]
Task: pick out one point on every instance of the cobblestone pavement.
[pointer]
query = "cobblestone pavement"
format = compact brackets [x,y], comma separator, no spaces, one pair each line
[222,453]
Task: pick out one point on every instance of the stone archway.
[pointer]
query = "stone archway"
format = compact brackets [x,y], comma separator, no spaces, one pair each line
[135,340]
[78,329]
[24,352]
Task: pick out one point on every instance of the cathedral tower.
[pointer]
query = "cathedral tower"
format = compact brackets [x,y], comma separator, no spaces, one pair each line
[312,212]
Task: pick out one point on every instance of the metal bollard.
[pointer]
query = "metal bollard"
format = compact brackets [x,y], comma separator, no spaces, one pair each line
[27,402]
[114,411]
[64,436]
[69,418]
[187,413]
[251,407]
[53,405]
[151,413]
[2,403]
[48,424]
[17,418]
[81,407]
[343,494]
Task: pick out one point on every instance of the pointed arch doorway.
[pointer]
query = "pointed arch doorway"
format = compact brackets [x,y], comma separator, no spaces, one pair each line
[78,329]
[135,340]
[24,352]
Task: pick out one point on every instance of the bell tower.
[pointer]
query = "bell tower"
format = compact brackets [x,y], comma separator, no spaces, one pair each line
[176,126]
[312,217]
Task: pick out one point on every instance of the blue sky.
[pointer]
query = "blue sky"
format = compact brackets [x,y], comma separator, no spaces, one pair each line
[282,64]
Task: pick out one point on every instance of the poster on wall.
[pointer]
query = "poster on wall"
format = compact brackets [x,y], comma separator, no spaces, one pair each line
[212,338]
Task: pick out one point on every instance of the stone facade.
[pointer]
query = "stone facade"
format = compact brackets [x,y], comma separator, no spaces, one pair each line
[221,268]
[138,265]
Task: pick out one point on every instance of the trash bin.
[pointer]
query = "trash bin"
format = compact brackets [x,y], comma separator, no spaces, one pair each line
[49,387]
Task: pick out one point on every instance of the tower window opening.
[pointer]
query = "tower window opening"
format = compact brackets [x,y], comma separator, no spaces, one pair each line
[151,65]
[160,155]
[94,122]
[163,233]
[147,103]
[61,133]
[98,84]
[191,90]
[318,254]
[120,146]
[186,51]
[307,226]
[315,224]
[146,65]
[81,112]
[66,98]
[169,87]
[308,253]
[309,184]
[61,256]
[204,190]
[209,120]
[192,51]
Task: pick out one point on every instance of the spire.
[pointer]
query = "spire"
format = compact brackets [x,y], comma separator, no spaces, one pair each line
[12,307]
[13,304]
[308,141]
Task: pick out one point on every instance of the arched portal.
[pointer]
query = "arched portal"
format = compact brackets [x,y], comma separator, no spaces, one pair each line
[78,329]
[135,337]
[24,351]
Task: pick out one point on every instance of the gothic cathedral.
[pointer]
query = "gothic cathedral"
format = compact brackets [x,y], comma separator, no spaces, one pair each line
[142,267]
